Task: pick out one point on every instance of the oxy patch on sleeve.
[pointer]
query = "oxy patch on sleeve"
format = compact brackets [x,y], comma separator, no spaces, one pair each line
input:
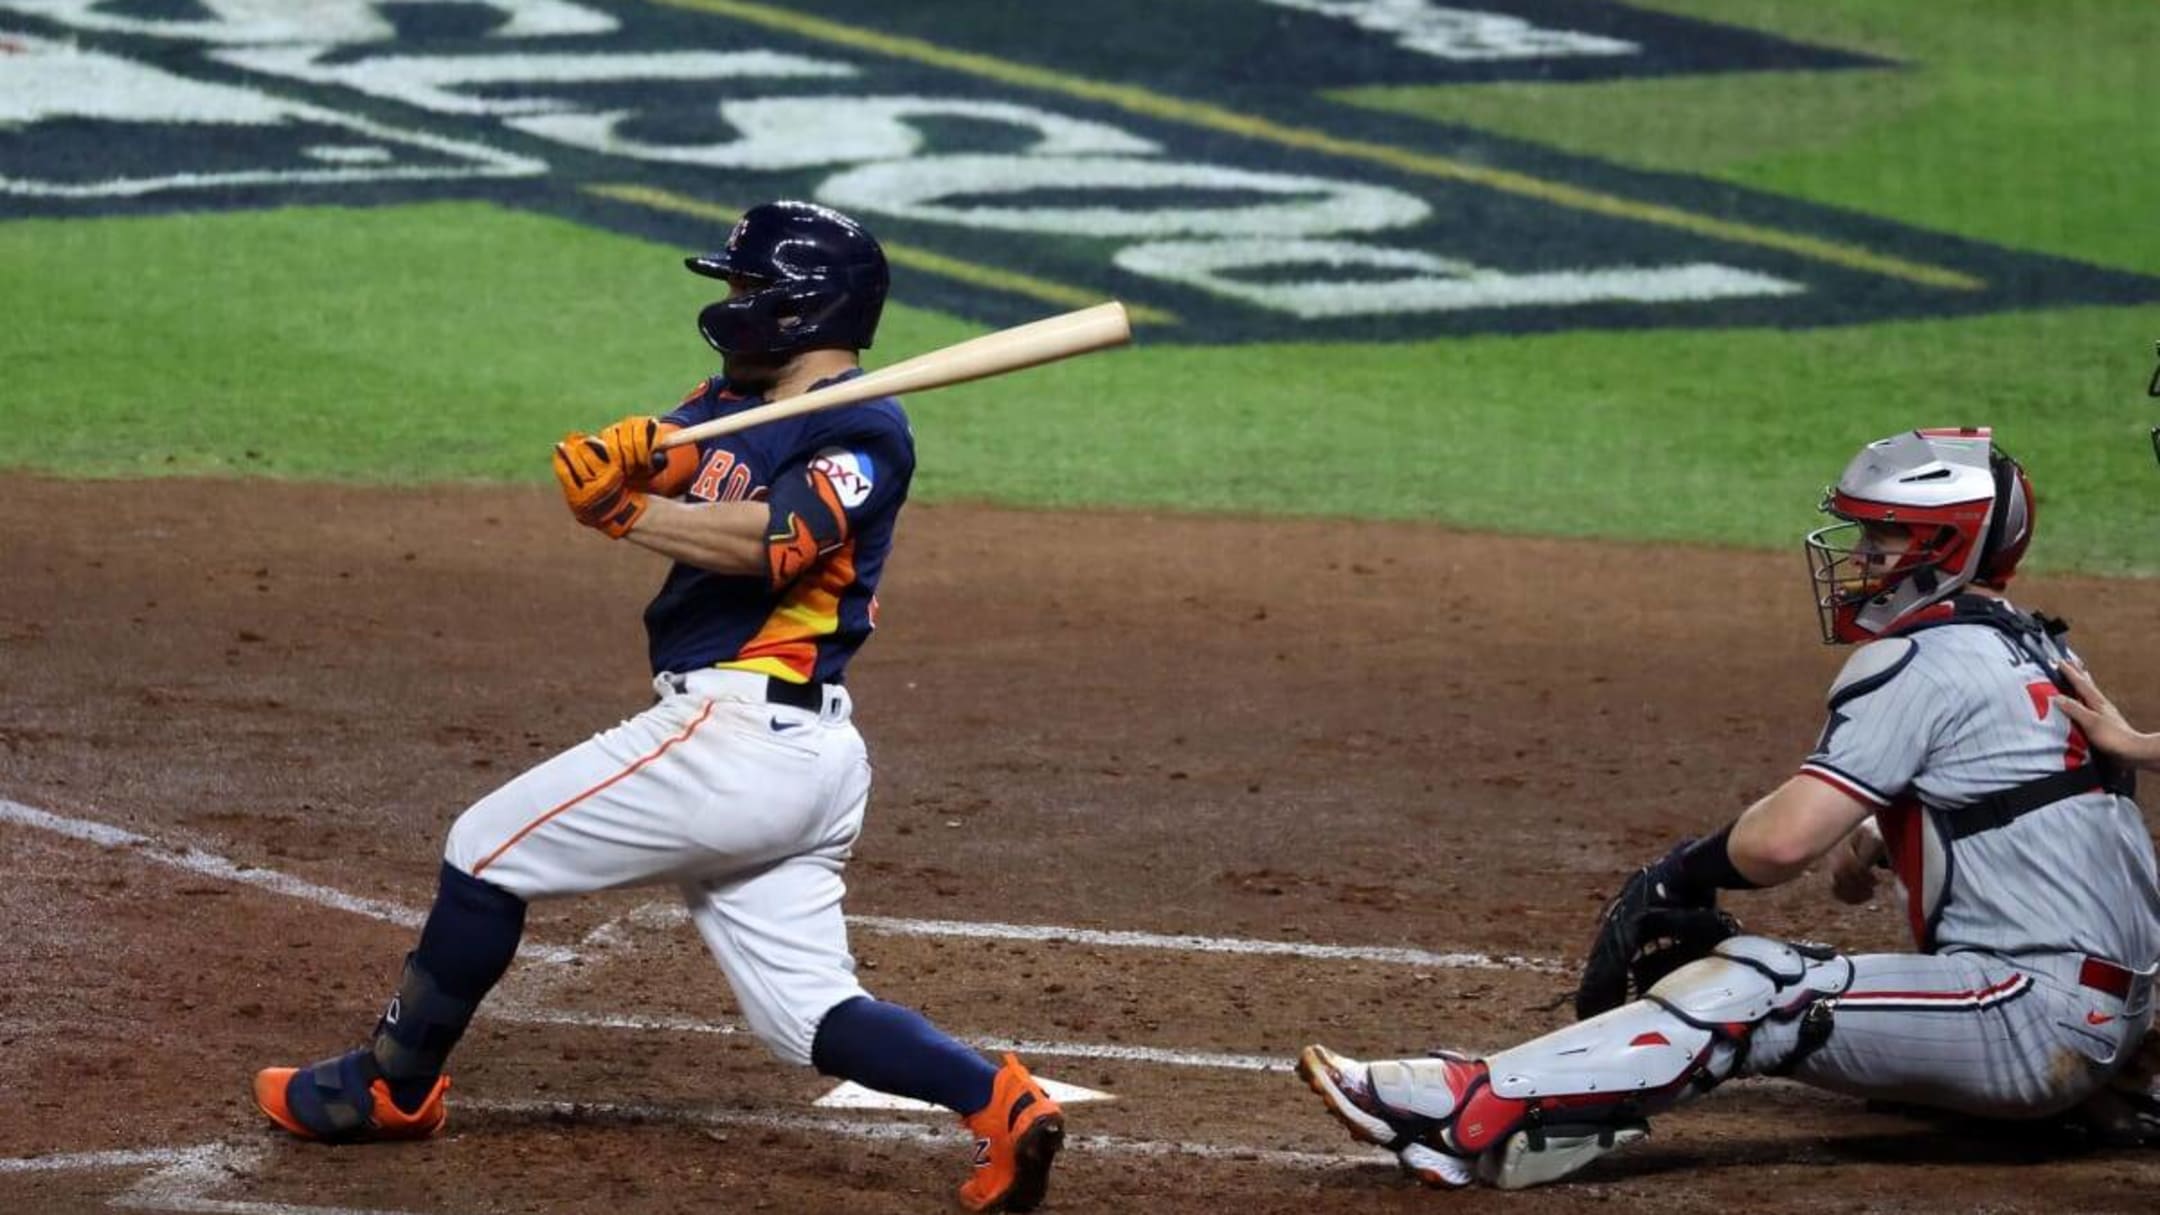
[851,473]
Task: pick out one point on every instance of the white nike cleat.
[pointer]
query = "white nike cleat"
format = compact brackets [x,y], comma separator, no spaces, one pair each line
[1346,1086]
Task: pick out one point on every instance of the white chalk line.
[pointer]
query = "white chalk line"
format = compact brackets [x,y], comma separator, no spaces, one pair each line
[655,914]
[181,1179]
[1186,943]
[119,1159]
[938,1133]
[195,860]
[514,1009]
[1135,1054]
[526,1014]
[182,1175]
[523,1004]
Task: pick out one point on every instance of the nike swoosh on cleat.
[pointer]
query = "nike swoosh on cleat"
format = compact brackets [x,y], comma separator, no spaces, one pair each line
[2097,1018]
[782,727]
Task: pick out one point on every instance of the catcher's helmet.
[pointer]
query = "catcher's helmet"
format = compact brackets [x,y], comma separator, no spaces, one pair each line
[1966,511]
[818,278]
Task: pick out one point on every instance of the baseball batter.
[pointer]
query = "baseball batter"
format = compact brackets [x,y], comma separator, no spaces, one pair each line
[744,785]
[2027,874]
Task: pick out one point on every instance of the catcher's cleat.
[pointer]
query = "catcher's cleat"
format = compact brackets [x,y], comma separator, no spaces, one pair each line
[345,1100]
[1347,1087]
[1017,1136]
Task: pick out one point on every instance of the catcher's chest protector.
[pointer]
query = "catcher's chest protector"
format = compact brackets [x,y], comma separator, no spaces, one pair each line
[1986,793]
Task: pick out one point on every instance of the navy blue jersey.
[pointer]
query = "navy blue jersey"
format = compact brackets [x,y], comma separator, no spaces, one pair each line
[834,480]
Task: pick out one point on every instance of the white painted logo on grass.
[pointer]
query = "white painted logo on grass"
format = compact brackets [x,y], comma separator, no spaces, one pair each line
[1462,34]
[264,139]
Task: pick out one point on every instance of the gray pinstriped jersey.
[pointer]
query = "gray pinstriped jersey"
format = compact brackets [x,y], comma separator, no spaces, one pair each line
[1955,713]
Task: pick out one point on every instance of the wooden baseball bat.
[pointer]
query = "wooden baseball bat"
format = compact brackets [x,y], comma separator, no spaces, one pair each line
[1044,341]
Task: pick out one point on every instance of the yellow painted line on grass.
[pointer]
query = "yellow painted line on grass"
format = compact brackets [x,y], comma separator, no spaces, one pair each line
[1425,164]
[975,273]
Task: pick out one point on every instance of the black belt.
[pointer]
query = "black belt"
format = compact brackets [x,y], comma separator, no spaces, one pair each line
[778,691]
[809,696]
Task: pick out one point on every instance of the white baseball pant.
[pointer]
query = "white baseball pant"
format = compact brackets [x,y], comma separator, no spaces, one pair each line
[749,807]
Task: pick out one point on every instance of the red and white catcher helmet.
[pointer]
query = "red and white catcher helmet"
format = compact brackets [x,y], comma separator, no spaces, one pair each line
[1965,509]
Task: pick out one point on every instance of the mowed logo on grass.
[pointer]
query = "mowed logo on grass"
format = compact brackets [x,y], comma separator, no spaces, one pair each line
[1015,159]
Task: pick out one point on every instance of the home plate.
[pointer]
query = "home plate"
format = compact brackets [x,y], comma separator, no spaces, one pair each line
[853,1096]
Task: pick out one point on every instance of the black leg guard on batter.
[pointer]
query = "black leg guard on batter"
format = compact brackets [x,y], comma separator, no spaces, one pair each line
[468,942]
[413,1040]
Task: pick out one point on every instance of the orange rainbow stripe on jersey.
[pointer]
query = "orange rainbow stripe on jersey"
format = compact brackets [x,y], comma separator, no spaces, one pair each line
[786,647]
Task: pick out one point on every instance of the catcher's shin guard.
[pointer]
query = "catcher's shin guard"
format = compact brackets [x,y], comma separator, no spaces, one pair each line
[1589,1088]
[1540,1111]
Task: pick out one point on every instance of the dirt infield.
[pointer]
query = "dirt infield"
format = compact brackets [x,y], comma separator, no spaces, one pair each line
[1305,732]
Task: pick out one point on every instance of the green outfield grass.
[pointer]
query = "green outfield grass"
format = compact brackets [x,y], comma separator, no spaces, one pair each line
[456,341]
[2014,121]
[431,343]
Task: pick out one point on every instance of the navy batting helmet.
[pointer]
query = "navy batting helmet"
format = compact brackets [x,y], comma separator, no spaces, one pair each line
[818,280]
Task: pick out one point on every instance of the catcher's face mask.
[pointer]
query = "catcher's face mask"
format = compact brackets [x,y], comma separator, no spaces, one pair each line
[1857,562]
[1917,522]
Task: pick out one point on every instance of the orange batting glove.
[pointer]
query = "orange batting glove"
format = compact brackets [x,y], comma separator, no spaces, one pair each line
[633,443]
[595,487]
[630,444]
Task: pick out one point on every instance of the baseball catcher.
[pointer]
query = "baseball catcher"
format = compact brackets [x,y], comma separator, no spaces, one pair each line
[744,786]
[1953,755]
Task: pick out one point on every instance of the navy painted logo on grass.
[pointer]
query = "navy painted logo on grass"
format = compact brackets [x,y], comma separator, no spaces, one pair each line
[1014,159]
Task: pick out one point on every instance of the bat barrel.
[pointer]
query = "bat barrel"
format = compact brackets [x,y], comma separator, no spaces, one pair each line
[1022,346]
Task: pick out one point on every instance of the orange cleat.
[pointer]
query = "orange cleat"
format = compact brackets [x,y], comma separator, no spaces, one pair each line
[1017,1136]
[344,1100]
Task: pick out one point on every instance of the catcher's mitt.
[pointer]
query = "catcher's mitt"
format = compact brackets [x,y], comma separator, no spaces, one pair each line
[1643,935]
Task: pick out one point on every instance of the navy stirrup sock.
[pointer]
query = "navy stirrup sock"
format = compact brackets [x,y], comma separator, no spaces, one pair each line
[896,1050]
[471,934]
[470,937]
